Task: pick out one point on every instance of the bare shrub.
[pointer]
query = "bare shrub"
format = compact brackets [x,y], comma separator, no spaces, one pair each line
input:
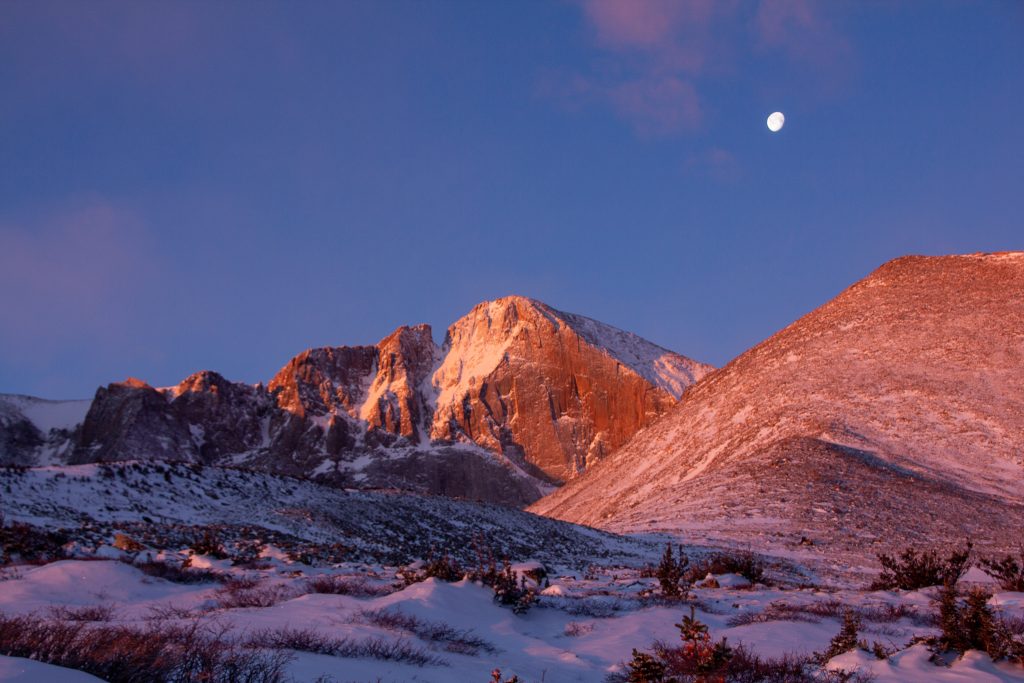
[1007,571]
[87,613]
[345,585]
[773,612]
[745,563]
[578,628]
[209,543]
[593,607]
[243,592]
[307,640]
[127,543]
[829,609]
[30,544]
[166,612]
[124,654]
[913,569]
[454,640]
[178,573]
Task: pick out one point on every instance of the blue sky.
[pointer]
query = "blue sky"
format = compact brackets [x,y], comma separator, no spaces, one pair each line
[221,185]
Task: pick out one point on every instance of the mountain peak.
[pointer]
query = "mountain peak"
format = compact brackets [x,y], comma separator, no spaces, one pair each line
[556,389]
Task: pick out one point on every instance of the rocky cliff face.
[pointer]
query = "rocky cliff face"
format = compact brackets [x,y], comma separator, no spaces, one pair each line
[555,390]
[865,423]
[519,397]
[398,401]
[204,419]
[325,381]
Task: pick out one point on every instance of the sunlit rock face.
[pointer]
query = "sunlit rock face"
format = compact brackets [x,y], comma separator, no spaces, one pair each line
[549,391]
[399,397]
[557,390]
[325,380]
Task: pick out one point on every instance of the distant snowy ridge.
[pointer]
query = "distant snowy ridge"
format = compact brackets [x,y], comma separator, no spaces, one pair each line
[35,430]
[48,415]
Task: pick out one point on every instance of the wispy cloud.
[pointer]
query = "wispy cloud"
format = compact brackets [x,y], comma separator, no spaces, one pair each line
[72,276]
[655,54]
[806,35]
[716,162]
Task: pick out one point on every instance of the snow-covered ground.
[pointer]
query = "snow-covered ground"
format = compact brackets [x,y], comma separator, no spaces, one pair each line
[597,604]
[583,628]
[165,498]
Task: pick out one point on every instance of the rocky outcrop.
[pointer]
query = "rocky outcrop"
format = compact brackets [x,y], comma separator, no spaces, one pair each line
[202,419]
[129,420]
[399,398]
[325,380]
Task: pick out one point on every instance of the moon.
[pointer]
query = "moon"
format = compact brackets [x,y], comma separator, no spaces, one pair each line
[776,121]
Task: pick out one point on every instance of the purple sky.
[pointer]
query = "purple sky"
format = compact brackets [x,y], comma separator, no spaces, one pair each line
[190,185]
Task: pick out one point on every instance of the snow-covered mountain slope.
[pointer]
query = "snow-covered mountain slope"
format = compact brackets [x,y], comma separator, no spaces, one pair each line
[385,526]
[34,430]
[893,413]
[520,398]
[558,389]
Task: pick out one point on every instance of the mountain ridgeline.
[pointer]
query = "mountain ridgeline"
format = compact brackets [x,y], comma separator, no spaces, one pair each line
[520,398]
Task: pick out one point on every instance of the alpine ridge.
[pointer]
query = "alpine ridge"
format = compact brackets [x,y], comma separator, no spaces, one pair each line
[521,397]
[892,414]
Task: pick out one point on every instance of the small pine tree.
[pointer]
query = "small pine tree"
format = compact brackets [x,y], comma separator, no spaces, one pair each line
[510,592]
[971,625]
[209,544]
[706,656]
[671,571]
[846,639]
[978,622]
[692,629]
[645,668]
[949,619]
